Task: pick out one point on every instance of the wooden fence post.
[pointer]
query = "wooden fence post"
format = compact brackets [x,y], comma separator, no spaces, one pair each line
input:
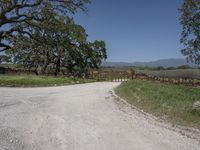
[132,74]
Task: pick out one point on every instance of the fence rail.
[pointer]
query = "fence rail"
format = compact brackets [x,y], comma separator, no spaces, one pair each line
[115,76]
[119,76]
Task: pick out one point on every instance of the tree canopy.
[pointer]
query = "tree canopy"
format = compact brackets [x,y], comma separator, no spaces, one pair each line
[190,37]
[14,13]
[49,41]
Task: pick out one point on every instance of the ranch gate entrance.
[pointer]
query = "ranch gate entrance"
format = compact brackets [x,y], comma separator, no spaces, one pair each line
[112,75]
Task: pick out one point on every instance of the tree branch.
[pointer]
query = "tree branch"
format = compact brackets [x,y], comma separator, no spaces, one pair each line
[4,47]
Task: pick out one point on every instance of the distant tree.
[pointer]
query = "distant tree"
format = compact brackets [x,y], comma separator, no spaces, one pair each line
[14,14]
[160,68]
[170,68]
[190,21]
[184,67]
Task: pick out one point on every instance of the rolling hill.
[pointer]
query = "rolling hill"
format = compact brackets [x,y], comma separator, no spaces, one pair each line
[173,62]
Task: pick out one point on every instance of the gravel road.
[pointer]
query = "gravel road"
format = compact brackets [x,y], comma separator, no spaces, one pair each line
[79,117]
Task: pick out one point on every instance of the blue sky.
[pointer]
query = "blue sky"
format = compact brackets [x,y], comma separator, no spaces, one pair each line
[135,30]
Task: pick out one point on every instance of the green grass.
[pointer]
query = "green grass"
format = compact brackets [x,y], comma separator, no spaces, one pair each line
[167,101]
[37,81]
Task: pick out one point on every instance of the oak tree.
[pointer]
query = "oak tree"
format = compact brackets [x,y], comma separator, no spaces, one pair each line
[15,13]
[190,37]
[59,45]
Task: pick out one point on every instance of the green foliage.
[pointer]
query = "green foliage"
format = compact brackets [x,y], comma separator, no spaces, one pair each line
[190,21]
[56,45]
[4,58]
[184,67]
[170,68]
[169,102]
[160,68]
[17,14]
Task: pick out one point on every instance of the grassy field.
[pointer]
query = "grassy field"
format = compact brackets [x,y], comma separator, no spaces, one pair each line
[34,81]
[169,102]
[178,73]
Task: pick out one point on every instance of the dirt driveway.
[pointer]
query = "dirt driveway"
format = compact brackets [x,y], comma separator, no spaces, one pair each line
[79,117]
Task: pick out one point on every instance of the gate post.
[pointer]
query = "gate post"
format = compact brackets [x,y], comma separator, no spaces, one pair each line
[132,74]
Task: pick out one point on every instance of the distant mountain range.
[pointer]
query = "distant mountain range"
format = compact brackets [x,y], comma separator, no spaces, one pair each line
[173,62]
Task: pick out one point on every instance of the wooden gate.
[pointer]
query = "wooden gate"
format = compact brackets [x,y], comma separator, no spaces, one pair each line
[112,75]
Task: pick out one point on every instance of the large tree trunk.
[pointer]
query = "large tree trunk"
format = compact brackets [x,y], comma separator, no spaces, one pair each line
[57,70]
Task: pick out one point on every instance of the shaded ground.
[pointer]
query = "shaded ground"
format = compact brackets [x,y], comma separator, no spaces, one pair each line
[79,117]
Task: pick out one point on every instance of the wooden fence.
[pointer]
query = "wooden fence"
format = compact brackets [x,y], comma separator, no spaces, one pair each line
[116,76]
[177,81]
[112,75]
[119,76]
[17,71]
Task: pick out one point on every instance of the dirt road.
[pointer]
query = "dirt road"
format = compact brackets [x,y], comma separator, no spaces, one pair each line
[79,117]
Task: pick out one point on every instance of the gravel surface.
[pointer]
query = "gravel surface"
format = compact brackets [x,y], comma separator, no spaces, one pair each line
[79,117]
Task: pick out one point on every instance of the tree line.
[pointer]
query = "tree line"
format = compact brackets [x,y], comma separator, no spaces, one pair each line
[41,35]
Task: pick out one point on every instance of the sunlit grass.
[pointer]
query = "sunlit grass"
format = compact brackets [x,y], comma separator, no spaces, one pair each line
[31,80]
[167,101]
